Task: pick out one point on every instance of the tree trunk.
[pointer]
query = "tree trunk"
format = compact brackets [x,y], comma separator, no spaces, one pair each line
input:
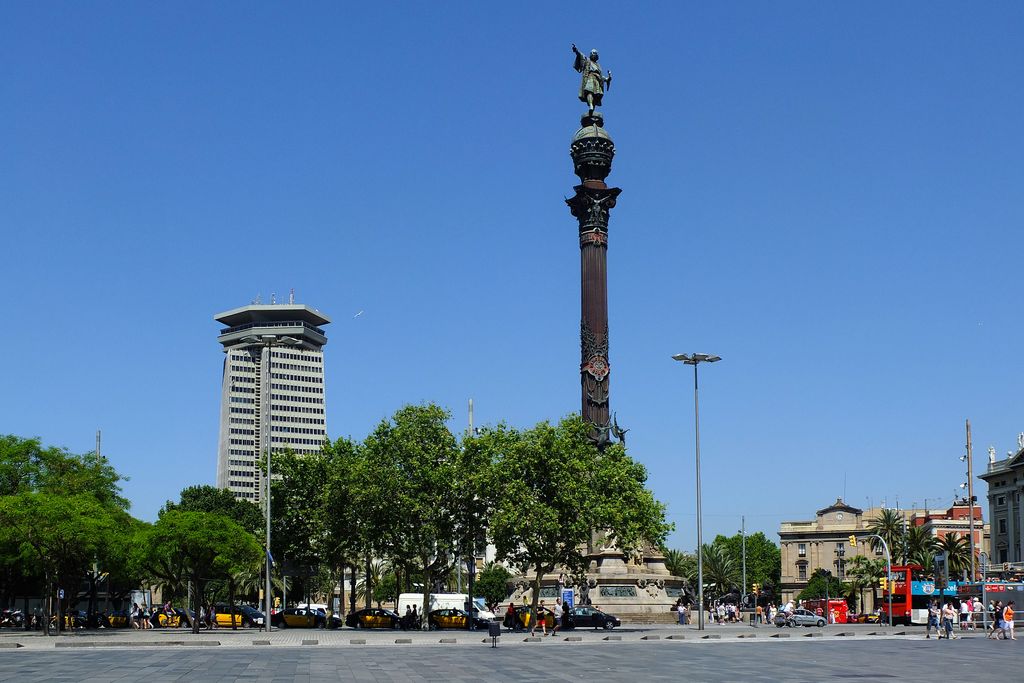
[197,601]
[536,597]
[47,604]
[428,577]
[368,583]
[231,602]
[352,588]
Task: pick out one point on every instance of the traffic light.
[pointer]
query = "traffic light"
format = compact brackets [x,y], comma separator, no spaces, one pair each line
[755,587]
[883,583]
[853,541]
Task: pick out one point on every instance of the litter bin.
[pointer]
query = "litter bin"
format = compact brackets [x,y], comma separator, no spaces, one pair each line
[494,631]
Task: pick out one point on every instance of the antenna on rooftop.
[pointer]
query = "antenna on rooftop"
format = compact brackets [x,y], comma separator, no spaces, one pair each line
[291,295]
[257,299]
[273,298]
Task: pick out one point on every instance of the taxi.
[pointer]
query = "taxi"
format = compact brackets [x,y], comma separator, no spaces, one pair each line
[177,617]
[373,618]
[297,617]
[237,616]
[119,619]
[452,618]
[523,619]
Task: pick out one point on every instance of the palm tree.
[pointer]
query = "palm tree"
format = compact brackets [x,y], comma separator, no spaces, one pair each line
[863,573]
[958,553]
[889,525]
[681,564]
[720,572]
[921,546]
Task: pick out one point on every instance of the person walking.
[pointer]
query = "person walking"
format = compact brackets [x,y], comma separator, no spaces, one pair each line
[933,620]
[540,619]
[558,616]
[134,614]
[681,613]
[1008,622]
[948,614]
[995,614]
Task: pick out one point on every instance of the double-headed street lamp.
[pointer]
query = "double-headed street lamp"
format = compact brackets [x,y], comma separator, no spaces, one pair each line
[267,341]
[696,359]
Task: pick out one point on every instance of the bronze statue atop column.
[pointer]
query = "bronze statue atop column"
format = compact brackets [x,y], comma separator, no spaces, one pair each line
[592,150]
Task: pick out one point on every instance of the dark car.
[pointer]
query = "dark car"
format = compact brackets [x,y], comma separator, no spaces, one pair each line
[453,618]
[591,617]
[373,617]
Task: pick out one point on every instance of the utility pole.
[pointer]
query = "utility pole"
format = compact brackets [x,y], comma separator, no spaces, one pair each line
[743,541]
[970,492]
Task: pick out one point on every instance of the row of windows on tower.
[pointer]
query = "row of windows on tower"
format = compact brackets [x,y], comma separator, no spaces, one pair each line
[293,399]
[239,473]
[280,409]
[294,387]
[296,378]
[243,484]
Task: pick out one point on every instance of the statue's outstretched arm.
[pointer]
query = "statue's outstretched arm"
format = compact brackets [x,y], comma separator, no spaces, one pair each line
[608,80]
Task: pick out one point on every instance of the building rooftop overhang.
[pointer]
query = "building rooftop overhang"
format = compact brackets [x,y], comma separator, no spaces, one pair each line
[840,506]
[261,313]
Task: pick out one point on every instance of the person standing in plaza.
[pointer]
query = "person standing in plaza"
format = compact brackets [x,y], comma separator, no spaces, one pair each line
[681,613]
[963,614]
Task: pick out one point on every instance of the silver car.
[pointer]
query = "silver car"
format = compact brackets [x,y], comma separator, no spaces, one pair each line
[799,617]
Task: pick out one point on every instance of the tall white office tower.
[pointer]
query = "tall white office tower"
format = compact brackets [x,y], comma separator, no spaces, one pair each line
[273,387]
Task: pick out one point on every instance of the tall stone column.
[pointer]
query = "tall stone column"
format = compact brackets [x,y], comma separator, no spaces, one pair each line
[592,150]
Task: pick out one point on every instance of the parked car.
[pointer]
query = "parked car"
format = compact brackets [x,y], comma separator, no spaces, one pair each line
[799,617]
[373,617]
[523,618]
[591,617]
[242,615]
[453,618]
[296,617]
[176,618]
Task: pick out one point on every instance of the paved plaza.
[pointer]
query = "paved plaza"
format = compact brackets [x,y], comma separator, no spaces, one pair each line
[797,658]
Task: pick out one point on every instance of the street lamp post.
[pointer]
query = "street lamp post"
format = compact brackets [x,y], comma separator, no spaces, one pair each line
[267,341]
[984,597]
[696,359]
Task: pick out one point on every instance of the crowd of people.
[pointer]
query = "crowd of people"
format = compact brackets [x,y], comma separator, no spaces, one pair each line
[942,618]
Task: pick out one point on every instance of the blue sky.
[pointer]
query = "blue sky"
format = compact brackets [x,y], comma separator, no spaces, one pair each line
[828,195]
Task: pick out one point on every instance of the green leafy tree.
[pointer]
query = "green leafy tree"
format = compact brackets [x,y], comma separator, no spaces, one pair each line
[347,526]
[555,489]
[298,513]
[57,536]
[199,546]
[764,559]
[407,487]
[206,498]
[493,584]
[823,584]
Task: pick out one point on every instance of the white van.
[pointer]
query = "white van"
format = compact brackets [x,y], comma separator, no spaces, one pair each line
[442,601]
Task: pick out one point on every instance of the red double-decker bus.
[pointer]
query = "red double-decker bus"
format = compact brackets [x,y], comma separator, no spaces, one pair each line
[912,591]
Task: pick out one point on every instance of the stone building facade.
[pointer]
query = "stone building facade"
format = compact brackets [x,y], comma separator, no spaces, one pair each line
[1005,479]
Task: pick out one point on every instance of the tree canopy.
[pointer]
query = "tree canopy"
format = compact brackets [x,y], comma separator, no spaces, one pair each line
[553,489]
